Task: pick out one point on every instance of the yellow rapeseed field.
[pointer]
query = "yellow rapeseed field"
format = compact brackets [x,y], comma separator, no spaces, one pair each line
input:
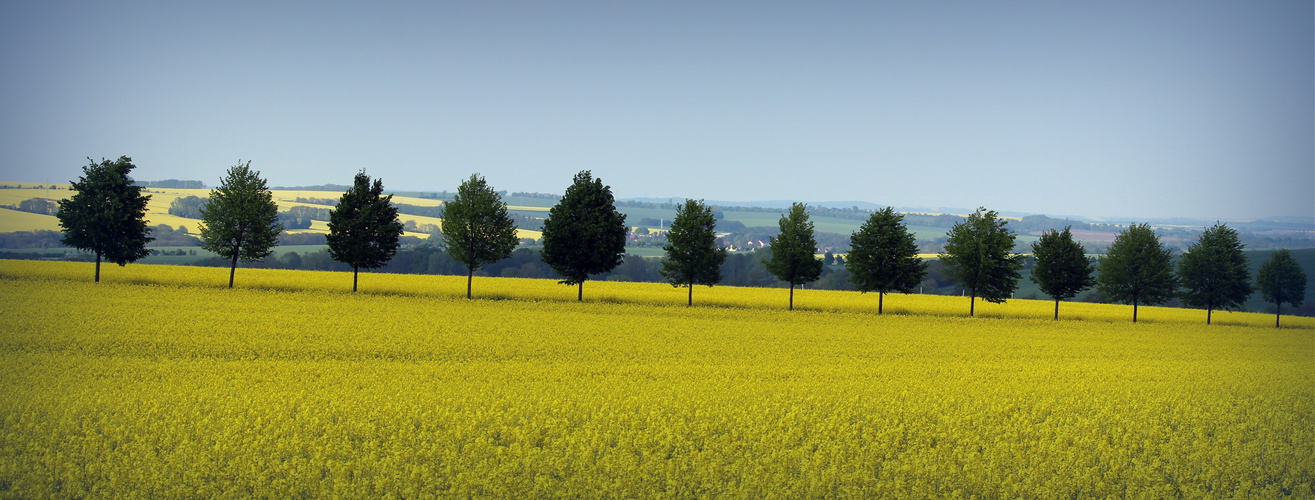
[159,382]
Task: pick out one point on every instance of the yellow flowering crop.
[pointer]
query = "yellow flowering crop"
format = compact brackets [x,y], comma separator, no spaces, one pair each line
[159,382]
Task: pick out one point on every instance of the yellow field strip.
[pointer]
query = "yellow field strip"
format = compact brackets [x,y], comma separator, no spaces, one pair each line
[657,294]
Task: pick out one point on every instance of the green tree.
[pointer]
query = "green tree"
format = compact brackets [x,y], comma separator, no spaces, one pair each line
[1062,268]
[241,220]
[1280,280]
[693,256]
[106,214]
[477,228]
[584,234]
[979,255]
[794,251]
[883,256]
[363,227]
[1137,269]
[1213,272]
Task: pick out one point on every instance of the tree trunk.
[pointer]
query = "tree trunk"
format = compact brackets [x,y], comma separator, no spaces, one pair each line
[972,303]
[791,296]
[470,276]
[98,267]
[1277,311]
[881,299]
[1209,310]
[355,271]
[233,269]
[1134,310]
[691,295]
[1056,309]
[579,294]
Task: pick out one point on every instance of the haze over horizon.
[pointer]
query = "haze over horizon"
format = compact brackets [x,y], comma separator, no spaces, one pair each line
[1158,110]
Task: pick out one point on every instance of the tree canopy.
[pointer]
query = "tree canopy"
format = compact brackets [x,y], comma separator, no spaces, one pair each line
[363,227]
[584,233]
[241,220]
[1137,269]
[1214,272]
[794,251]
[106,214]
[1280,280]
[979,254]
[1062,268]
[883,256]
[693,256]
[477,228]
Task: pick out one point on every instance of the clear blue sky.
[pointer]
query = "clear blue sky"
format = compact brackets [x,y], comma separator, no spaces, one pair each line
[1152,109]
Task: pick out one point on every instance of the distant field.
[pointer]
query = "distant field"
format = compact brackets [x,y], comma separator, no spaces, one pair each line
[12,197]
[158,210]
[14,220]
[161,382]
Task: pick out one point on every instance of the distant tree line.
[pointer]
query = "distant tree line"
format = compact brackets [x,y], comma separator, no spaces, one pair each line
[43,206]
[35,186]
[32,239]
[655,205]
[297,217]
[317,201]
[546,196]
[321,187]
[166,236]
[172,184]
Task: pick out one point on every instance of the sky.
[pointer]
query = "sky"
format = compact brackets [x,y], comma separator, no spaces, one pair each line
[1153,109]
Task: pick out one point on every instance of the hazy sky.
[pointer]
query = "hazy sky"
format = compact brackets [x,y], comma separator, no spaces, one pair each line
[1156,109]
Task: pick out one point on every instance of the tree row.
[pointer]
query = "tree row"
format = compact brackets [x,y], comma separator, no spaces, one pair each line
[585,235]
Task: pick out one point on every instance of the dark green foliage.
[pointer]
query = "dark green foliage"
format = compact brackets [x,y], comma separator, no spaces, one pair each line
[43,206]
[435,212]
[883,256]
[187,206]
[477,229]
[290,221]
[978,254]
[1137,269]
[1213,271]
[166,236]
[794,259]
[1062,268]
[584,233]
[32,239]
[106,214]
[241,221]
[1280,280]
[300,217]
[363,227]
[693,256]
